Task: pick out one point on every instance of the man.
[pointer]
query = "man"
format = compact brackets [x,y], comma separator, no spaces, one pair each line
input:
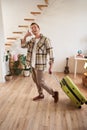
[39,47]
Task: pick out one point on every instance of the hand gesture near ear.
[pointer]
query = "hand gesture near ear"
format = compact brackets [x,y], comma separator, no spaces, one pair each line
[28,34]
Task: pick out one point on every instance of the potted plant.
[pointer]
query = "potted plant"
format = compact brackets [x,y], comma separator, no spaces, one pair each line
[25,68]
[16,68]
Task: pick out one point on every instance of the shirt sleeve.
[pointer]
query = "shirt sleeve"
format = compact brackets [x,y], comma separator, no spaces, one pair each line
[49,49]
[24,45]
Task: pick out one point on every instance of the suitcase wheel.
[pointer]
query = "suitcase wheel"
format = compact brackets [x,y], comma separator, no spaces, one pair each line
[86,102]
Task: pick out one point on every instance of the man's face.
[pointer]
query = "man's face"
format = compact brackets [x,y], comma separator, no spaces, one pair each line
[35,29]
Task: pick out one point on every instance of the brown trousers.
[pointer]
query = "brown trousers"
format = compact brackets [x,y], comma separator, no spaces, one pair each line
[38,78]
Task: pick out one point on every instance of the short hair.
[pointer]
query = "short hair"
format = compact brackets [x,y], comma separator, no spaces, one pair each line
[35,24]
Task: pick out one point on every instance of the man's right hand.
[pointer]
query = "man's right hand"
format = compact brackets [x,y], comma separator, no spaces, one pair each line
[26,35]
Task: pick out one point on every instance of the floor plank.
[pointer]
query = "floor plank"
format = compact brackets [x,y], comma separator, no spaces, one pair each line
[19,112]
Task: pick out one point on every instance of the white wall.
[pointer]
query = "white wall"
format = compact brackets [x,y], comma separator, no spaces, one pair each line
[64,22]
[2,64]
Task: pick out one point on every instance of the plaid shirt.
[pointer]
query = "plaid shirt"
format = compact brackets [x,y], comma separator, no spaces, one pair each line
[43,49]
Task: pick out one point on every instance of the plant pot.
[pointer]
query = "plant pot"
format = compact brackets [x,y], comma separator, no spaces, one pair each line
[8,77]
[26,72]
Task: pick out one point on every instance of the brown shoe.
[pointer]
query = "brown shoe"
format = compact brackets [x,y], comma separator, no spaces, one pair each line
[56,98]
[38,97]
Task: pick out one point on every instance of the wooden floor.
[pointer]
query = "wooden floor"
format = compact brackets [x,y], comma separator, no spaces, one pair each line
[19,112]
